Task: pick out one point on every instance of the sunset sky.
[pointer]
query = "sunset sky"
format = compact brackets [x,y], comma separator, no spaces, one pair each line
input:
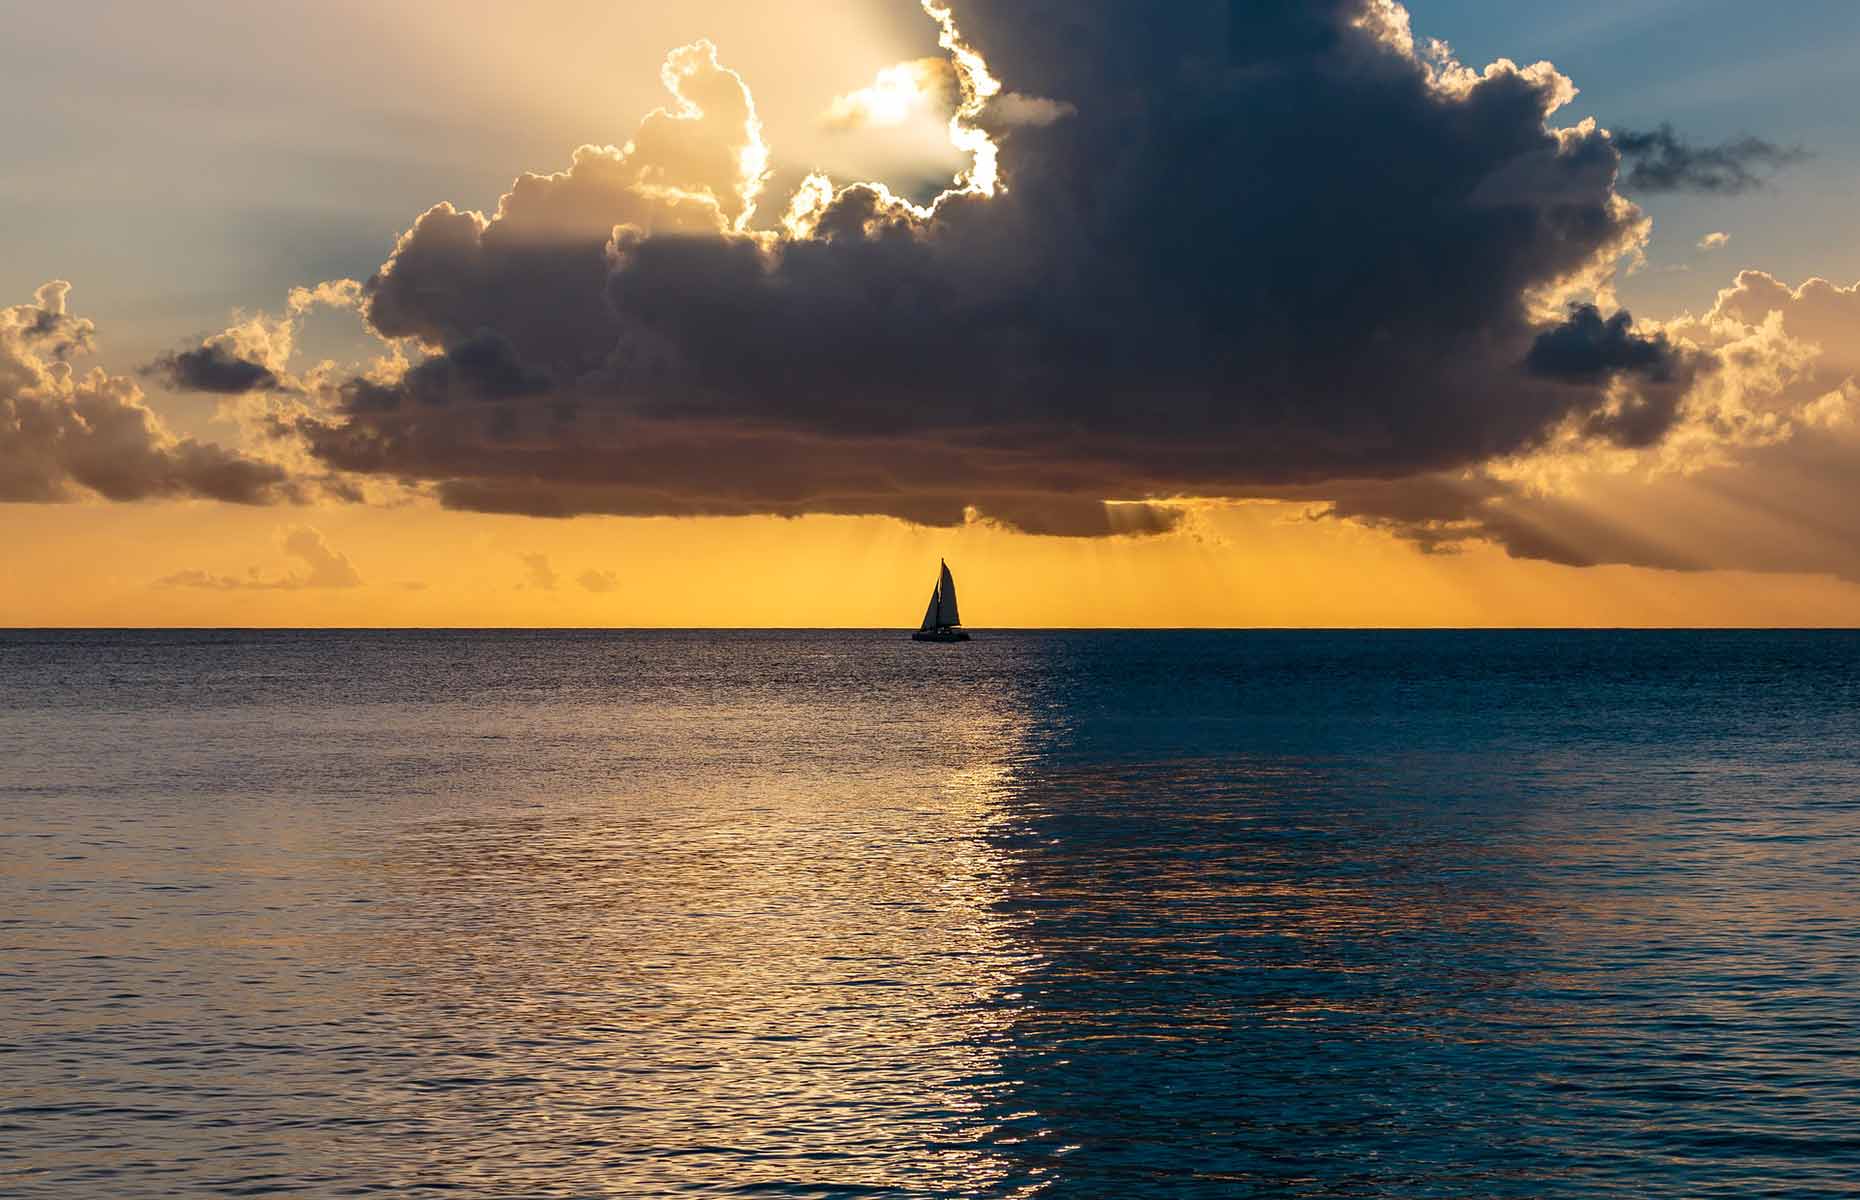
[1289,314]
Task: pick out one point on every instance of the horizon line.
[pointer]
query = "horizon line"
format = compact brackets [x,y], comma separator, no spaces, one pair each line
[901,630]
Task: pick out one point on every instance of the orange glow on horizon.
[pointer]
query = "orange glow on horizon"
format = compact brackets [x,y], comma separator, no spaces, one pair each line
[1242,565]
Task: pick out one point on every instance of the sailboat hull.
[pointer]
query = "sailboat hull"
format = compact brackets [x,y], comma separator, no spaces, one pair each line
[940,635]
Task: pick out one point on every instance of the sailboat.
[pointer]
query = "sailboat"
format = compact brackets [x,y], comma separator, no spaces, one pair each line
[942,620]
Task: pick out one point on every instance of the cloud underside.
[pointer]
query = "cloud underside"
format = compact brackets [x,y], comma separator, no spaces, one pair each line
[1782,508]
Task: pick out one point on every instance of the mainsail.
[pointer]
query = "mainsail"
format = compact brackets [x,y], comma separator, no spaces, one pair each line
[942,613]
[947,613]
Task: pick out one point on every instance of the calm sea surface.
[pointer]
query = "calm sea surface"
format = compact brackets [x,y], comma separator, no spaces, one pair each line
[1075,914]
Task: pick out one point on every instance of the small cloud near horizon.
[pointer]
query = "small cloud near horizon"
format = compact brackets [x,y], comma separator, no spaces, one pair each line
[539,575]
[326,568]
[600,582]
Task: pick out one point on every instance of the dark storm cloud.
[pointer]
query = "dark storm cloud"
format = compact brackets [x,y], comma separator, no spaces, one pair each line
[215,368]
[62,433]
[1267,245]
[1659,160]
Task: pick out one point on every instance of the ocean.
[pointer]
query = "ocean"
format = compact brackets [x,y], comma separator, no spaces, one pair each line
[830,914]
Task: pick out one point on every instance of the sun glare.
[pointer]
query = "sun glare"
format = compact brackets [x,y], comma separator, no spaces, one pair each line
[898,94]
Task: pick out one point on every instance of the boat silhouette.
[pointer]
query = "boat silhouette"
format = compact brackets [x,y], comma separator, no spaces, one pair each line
[942,620]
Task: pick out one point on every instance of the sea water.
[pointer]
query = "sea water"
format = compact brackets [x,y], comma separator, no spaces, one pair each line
[838,914]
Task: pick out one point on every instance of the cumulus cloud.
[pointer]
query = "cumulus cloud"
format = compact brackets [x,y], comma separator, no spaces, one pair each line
[1755,474]
[527,272]
[1715,241]
[65,435]
[1820,313]
[1659,160]
[334,293]
[1266,246]
[323,568]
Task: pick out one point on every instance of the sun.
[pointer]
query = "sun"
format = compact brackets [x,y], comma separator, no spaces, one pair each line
[896,95]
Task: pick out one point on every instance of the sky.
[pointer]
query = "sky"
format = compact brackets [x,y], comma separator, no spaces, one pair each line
[1290,315]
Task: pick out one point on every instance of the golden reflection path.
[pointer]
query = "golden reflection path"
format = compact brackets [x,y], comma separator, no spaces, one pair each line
[785,968]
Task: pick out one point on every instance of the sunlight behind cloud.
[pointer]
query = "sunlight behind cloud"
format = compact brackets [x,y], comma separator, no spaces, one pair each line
[898,94]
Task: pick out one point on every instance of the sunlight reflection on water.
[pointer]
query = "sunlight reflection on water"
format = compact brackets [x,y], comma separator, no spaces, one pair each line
[790,975]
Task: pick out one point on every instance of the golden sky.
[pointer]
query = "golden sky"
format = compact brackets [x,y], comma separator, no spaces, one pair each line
[1246,565]
[257,480]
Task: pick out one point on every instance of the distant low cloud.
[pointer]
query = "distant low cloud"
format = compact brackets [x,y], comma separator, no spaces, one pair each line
[1714,241]
[539,575]
[600,583]
[323,568]
[1659,160]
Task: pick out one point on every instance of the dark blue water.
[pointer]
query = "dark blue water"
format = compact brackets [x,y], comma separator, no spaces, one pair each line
[1079,914]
